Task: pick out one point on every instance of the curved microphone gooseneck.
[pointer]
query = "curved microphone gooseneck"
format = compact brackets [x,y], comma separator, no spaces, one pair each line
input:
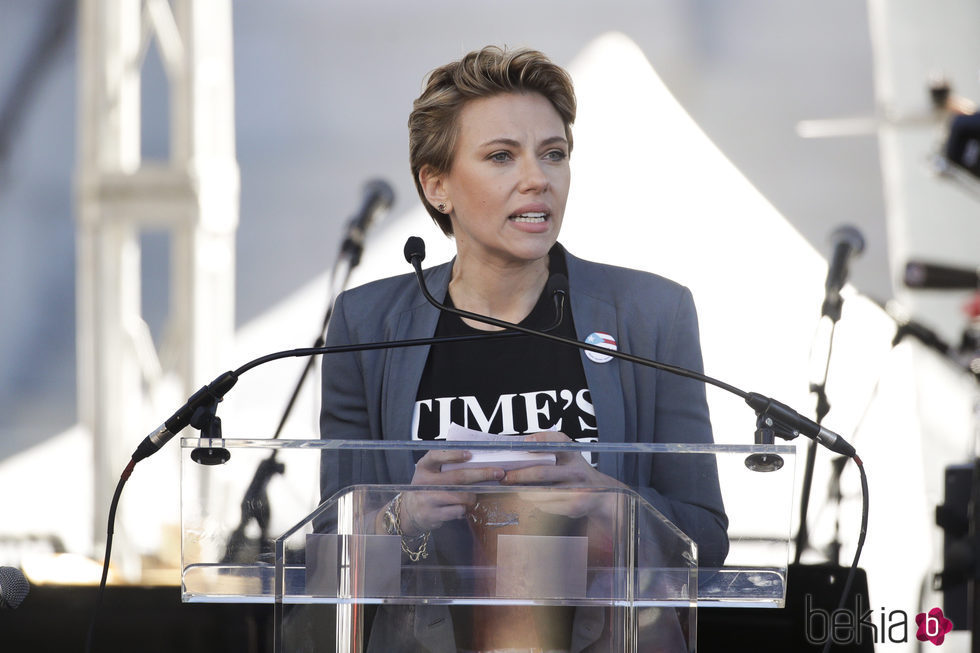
[785,421]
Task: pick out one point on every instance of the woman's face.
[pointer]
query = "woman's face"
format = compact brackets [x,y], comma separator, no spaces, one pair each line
[508,184]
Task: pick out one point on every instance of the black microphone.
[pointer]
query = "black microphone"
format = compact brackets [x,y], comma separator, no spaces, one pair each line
[378,198]
[557,287]
[206,396]
[784,416]
[848,242]
[785,421]
[13,587]
[414,250]
[919,274]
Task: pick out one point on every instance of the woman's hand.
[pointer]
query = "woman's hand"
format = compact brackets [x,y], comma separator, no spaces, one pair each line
[424,510]
[570,470]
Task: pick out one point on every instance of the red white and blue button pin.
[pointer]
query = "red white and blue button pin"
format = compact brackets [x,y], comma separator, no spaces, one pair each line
[603,340]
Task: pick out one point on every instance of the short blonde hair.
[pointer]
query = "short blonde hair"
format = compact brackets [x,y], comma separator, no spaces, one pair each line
[433,124]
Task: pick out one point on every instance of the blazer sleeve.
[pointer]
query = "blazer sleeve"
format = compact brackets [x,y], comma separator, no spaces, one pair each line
[343,406]
[687,485]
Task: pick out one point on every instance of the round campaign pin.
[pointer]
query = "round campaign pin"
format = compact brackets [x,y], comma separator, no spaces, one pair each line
[603,340]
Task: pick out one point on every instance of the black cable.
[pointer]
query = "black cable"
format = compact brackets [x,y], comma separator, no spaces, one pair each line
[852,572]
[108,550]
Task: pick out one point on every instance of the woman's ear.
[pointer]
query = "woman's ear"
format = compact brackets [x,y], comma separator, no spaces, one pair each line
[434,186]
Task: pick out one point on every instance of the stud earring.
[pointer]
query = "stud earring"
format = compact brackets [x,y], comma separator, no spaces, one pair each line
[442,208]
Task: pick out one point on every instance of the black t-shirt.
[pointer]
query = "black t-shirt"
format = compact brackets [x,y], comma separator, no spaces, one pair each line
[510,386]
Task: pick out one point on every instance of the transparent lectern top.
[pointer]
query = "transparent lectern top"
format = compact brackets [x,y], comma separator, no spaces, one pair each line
[304,521]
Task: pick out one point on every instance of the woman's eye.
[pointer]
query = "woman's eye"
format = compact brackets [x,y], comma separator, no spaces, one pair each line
[500,157]
[556,155]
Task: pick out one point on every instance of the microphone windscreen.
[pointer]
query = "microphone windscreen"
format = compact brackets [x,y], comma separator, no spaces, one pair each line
[380,193]
[849,235]
[378,198]
[414,247]
[557,282]
[13,587]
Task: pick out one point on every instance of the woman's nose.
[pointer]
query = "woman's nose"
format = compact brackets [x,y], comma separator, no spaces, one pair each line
[533,177]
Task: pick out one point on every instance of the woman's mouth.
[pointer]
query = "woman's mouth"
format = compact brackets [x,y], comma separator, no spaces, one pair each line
[530,217]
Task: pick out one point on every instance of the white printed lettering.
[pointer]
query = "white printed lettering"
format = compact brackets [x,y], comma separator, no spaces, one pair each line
[445,414]
[505,405]
[534,411]
[584,402]
[416,414]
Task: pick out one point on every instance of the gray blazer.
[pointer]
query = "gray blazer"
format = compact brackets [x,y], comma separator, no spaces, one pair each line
[371,394]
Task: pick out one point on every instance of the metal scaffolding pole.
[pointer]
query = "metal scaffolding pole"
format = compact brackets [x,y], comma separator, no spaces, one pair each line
[192,197]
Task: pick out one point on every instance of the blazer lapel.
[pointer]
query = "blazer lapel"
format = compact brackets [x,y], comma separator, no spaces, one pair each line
[605,385]
[404,366]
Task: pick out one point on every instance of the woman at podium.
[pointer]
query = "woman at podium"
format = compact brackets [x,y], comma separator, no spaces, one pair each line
[490,142]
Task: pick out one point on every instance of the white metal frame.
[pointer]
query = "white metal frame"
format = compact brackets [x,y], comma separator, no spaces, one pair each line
[193,196]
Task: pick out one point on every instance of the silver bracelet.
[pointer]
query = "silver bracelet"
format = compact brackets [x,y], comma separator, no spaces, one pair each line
[392,523]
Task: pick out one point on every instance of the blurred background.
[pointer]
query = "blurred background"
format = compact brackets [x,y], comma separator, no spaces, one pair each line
[718,143]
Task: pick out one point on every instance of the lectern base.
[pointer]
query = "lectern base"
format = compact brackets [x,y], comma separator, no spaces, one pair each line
[813,593]
[145,619]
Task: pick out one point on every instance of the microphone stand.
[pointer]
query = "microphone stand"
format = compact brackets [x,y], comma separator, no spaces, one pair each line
[823,407]
[255,502]
[848,242]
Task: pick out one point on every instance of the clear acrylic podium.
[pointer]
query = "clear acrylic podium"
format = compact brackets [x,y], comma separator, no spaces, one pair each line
[535,567]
